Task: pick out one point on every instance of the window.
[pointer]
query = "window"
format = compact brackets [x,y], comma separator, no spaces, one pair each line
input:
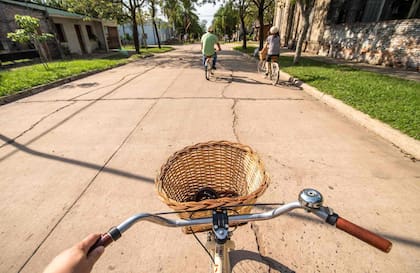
[60,33]
[90,32]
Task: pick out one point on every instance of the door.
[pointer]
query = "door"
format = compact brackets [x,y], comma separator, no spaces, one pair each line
[112,38]
[80,38]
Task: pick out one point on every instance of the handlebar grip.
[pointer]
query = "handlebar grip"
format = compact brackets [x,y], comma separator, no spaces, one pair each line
[364,235]
[105,240]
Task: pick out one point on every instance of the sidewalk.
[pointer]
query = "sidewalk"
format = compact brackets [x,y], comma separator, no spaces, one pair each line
[408,145]
[393,72]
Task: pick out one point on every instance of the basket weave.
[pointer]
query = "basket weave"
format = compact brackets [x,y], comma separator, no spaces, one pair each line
[263,53]
[233,170]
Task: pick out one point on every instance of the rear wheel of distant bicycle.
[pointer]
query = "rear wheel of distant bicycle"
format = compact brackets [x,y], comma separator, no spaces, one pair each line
[275,73]
[208,69]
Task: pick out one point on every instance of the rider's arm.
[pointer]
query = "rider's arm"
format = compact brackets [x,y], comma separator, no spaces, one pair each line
[218,46]
[76,259]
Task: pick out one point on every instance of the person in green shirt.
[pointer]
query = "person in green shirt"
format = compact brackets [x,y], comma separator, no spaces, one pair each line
[208,41]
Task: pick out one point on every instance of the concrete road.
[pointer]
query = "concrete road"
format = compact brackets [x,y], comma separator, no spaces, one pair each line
[82,157]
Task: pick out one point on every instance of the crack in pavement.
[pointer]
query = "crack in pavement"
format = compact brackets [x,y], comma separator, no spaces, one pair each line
[72,100]
[75,113]
[235,120]
[35,124]
[104,166]
[255,230]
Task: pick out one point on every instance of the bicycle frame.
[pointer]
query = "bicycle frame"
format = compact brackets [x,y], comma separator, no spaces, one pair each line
[219,240]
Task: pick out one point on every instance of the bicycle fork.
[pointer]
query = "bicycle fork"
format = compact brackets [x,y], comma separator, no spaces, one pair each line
[219,243]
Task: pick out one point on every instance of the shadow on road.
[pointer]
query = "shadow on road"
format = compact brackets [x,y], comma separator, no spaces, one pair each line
[76,162]
[237,256]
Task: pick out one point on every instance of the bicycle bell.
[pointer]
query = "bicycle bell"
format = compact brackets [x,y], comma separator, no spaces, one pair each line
[310,198]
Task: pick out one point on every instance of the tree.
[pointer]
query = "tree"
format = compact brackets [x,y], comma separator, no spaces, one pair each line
[111,9]
[132,6]
[262,5]
[225,19]
[243,7]
[152,4]
[29,32]
[182,17]
[306,7]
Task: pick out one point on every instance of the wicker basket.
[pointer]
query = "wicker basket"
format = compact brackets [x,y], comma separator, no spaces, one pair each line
[232,170]
[263,53]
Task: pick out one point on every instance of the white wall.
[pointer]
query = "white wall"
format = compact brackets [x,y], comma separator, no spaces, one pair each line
[148,29]
[72,42]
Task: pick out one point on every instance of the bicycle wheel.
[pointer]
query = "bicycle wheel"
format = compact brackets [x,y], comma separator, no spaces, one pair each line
[208,69]
[275,73]
[261,66]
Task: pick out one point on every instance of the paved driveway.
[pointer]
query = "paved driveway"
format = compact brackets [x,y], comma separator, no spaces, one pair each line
[82,157]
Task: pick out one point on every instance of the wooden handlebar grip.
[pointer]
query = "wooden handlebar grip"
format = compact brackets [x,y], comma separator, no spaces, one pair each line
[364,235]
[104,241]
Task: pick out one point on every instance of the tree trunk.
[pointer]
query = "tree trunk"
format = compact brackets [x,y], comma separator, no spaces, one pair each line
[143,35]
[306,12]
[41,54]
[135,31]
[156,32]
[261,19]
[243,31]
[154,24]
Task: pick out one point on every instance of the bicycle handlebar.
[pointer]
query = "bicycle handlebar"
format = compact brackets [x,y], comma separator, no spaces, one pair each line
[324,213]
[364,235]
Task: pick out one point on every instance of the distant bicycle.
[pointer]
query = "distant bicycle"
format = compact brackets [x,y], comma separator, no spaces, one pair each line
[273,71]
[208,67]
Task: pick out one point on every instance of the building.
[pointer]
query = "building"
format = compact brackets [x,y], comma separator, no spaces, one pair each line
[73,33]
[383,32]
[126,31]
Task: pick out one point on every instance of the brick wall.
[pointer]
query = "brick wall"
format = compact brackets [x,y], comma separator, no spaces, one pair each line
[7,24]
[391,43]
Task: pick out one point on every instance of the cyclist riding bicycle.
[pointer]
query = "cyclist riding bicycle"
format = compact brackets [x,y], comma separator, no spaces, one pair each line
[208,41]
[273,46]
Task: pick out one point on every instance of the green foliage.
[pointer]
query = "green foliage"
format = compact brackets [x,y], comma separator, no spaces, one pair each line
[226,19]
[17,79]
[182,17]
[391,100]
[28,31]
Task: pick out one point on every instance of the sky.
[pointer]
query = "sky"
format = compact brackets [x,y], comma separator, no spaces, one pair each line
[206,12]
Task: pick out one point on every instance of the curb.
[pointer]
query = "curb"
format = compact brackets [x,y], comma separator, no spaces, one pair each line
[407,144]
[40,88]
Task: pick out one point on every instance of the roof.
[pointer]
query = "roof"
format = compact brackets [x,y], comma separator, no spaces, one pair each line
[50,11]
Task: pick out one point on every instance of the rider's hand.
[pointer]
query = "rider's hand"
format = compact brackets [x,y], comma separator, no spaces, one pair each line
[76,259]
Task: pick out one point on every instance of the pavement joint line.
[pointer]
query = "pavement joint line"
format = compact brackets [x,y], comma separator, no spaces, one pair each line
[76,113]
[175,98]
[171,83]
[87,187]
[36,123]
[102,87]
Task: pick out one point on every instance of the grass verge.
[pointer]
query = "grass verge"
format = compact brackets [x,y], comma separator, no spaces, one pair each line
[392,100]
[153,49]
[17,79]
[21,78]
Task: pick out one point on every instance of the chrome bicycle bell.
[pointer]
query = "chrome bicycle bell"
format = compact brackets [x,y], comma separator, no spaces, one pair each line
[310,198]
